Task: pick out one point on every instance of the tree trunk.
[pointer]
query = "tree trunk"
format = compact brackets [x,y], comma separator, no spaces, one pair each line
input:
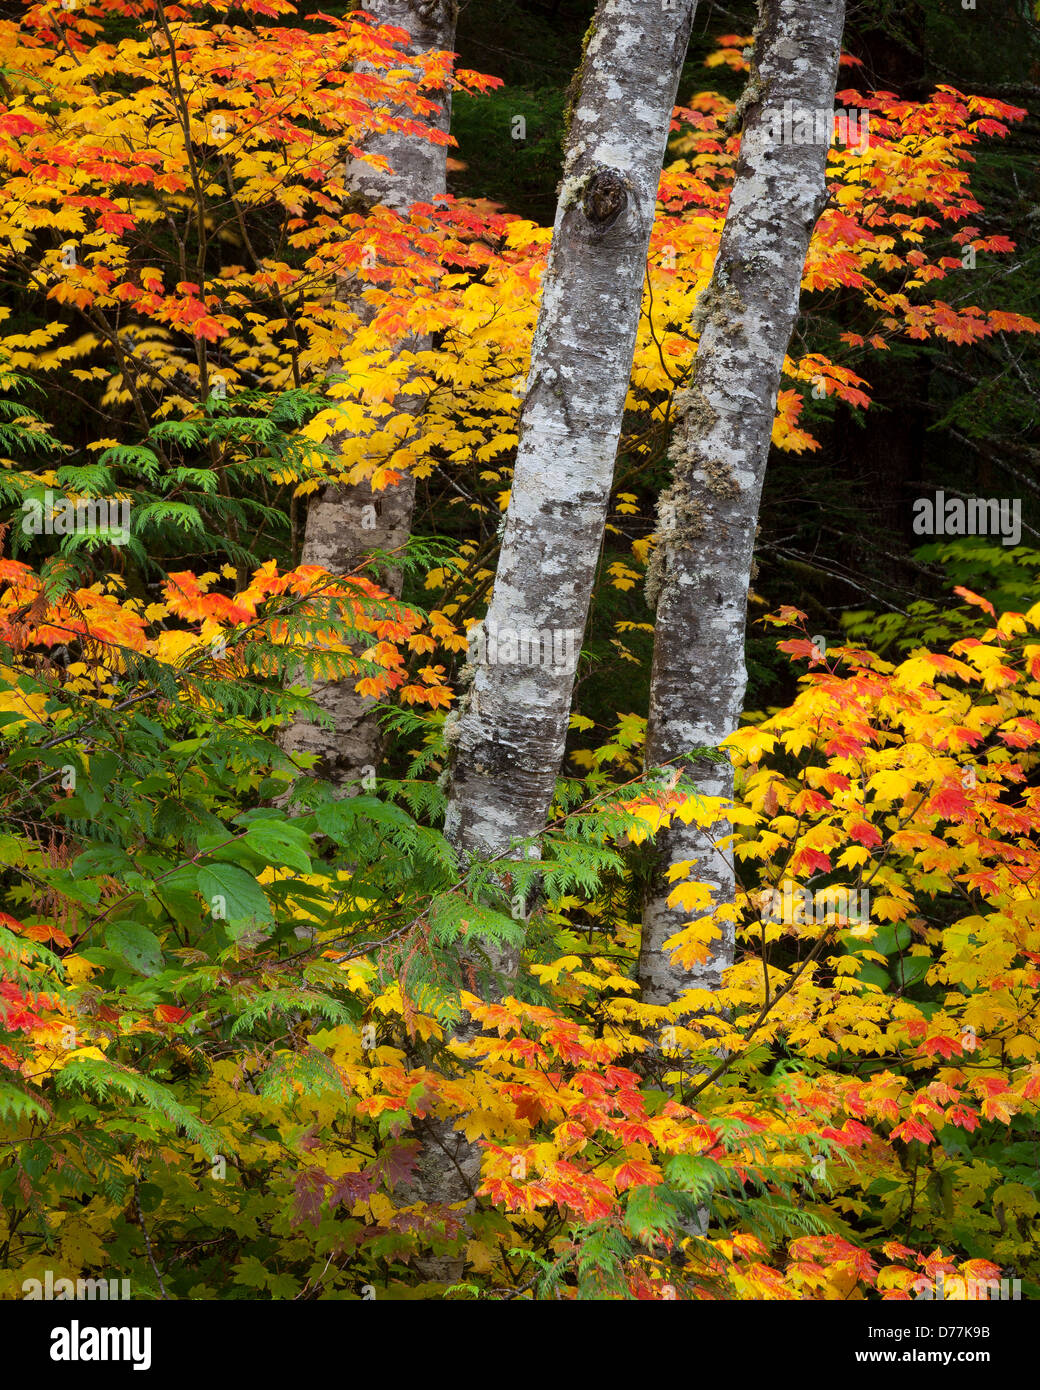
[701,569]
[346,521]
[508,740]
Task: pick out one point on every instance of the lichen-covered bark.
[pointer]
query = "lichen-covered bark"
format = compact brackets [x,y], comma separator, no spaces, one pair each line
[508,742]
[708,517]
[335,536]
[418,166]
[337,540]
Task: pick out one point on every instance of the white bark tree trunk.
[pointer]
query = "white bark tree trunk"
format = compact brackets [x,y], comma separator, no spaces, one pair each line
[701,569]
[508,739]
[346,521]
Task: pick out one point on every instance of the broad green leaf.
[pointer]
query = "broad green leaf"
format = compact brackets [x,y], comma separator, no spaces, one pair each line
[139,947]
[280,844]
[233,895]
[910,970]
[872,974]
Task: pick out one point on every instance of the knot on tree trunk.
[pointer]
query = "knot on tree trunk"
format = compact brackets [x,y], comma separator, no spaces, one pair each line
[429,11]
[606,195]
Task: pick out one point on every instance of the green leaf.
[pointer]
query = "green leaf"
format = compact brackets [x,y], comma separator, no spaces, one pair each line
[108,960]
[910,970]
[887,940]
[892,937]
[280,844]
[139,947]
[871,974]
[338,819]
[233,895]
[100,859]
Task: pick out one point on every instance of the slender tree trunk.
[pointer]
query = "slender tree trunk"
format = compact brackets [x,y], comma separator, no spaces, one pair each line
[508,741]
[346,521]
[707,519]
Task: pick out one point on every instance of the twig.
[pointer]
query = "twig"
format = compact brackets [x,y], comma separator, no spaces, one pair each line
[147,1239]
